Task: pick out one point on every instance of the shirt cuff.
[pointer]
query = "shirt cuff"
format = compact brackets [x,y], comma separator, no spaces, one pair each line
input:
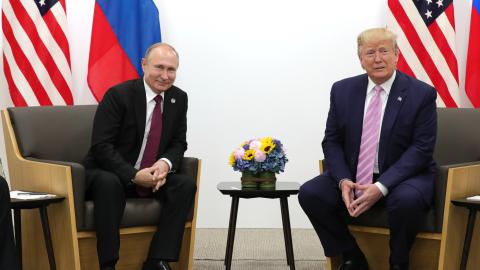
[382,188]
[168,163]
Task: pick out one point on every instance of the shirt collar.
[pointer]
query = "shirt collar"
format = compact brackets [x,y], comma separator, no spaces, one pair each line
[386,85]
[149,94]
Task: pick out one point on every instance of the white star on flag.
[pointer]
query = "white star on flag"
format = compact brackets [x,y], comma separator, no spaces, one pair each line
[440,3]
[428,14]
[42,2]
[429,1]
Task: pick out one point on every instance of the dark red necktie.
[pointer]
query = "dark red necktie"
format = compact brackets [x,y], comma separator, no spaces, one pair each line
[153,142]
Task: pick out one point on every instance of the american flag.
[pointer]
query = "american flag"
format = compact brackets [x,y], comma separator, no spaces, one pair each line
[426,39]
[36,58]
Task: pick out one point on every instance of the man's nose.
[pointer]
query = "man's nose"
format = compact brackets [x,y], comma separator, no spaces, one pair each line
[164,74]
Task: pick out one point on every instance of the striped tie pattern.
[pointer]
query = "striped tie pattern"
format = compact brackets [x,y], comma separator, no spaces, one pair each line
[370,135]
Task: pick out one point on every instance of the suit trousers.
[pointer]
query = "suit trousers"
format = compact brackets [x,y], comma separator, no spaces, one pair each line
[8,258]
[321,200]
[109,195]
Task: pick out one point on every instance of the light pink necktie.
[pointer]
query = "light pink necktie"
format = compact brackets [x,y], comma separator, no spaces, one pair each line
[369,143]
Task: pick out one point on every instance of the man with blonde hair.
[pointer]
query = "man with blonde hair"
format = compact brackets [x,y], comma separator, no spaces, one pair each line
[378,146]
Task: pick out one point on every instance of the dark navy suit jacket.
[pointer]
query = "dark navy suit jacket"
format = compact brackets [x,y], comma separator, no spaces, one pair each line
[407,137]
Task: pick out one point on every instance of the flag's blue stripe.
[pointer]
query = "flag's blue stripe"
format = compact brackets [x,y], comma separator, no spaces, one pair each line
[136,25]
[476,5]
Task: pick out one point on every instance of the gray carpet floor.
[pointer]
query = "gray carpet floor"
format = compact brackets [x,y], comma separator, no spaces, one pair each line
[257,249]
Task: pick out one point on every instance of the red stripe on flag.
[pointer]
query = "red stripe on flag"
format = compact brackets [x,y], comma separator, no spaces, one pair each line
[63,5]
[450,15]
[106,54]
[42,52]
[421,52]
[472,76]
[57,34]
[24,64]
[445,49]
[15,94]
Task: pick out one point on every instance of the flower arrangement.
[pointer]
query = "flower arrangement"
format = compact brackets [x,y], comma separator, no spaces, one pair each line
[259,157]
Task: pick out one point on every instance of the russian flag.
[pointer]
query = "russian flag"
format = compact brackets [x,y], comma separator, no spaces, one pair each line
[472,76]
[122,31]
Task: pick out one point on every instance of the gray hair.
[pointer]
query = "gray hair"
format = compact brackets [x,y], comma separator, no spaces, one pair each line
[160,44]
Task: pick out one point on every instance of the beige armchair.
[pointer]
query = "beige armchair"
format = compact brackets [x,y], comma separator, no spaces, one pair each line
[45,147]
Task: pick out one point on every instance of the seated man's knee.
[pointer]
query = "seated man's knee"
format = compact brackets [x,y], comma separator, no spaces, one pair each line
[104,181]
[407,202]
[184,182]
[311,194]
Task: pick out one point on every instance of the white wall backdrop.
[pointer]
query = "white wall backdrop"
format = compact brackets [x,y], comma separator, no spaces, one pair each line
[253,68]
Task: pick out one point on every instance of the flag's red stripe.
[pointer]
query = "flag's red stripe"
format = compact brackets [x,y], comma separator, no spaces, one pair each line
[57,34]
[450,15]
[403,65]
[15,94]
[444,48]
[64,5]
[43,54]
[106,54]
[472,76]
[24,64]
[421,52]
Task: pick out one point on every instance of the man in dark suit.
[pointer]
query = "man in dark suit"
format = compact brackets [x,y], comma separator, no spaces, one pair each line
[8,258]
[138,142]
[378,147]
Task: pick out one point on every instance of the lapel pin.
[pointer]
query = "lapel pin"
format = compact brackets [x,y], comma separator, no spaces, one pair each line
[399,99]
[172,100]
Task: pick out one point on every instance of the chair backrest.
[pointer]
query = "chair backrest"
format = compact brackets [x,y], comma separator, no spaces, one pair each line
[54,132]
[458,136]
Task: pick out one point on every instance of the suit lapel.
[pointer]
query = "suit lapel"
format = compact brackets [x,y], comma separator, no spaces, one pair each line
[357,105]
[140,108]
[397,95]
[169,103]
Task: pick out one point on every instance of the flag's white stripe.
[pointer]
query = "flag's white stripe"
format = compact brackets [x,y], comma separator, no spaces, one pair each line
[60,15]
[448,31]
[409,53]
[49,41]
[432,49]
[28,49]
[17,76]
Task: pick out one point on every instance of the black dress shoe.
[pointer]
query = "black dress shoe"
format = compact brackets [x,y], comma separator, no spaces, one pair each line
[163,265]
[354,265]
[399,267]
[156,265]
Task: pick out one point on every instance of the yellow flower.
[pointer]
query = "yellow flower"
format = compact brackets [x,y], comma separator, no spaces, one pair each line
[266,140]
[267,147]
[231,159]
[249,154]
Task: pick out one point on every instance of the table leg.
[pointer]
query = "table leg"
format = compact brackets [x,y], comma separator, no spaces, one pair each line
[285,235]
[231,232]
[468,238]
[287,231]
[18,235]
[47,236]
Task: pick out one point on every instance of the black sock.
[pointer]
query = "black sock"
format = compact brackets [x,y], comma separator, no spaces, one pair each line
[108,264]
